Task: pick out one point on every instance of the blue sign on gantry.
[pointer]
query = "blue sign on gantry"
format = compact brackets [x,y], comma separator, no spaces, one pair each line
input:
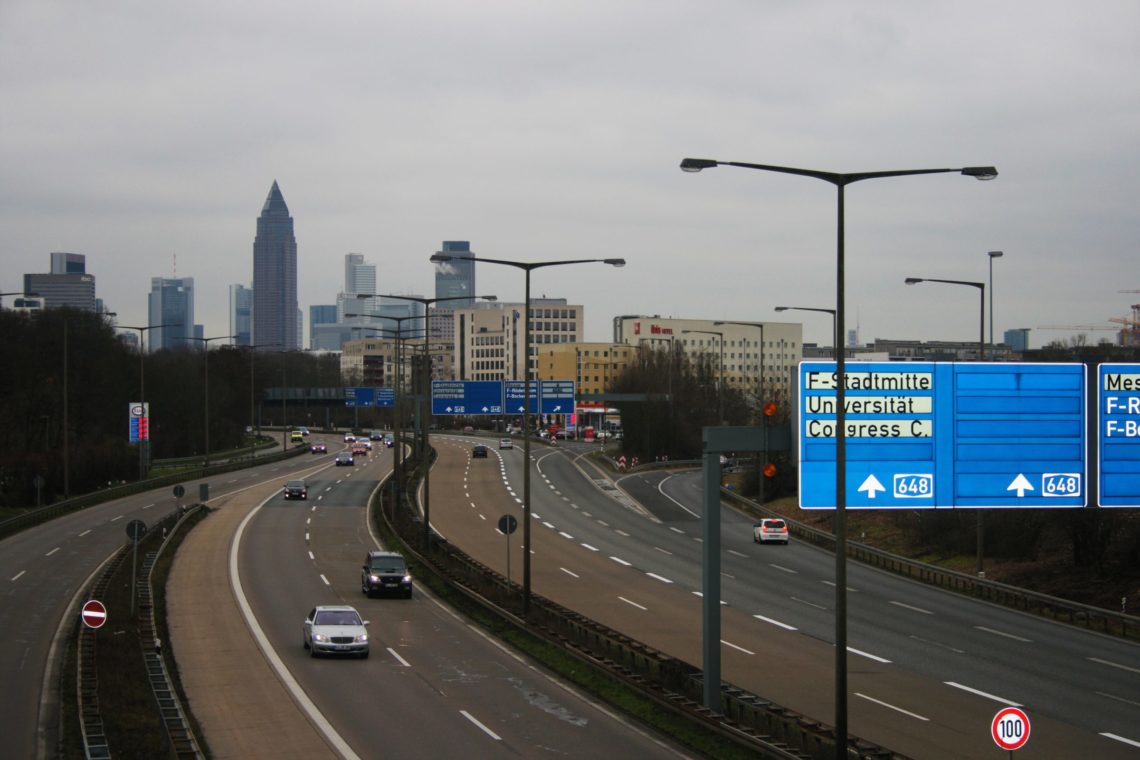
[514,396]
[557,396]
[927,435]
[1118,435]
[466,397]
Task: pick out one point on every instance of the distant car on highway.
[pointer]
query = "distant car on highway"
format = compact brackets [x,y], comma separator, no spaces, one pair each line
[506,443]
[376,435]
[359,449]
[770,530]
[344,459]
[349,437]
[296,489]
[318,448]
[479,452]
[389,441]
[335,629]
[385,573]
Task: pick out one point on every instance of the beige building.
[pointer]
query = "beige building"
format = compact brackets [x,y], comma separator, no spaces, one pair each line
[371,362]
[489,336]
[771,349]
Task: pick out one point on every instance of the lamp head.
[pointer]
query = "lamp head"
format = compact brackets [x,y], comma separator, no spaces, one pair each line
[913,280]
[781,308]
[995,254]
[614,262]
[694,165]
[983,173]
[440,258]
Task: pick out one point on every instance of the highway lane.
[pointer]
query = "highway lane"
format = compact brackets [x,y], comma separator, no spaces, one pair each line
[42,570]
[434,685]
[776,584]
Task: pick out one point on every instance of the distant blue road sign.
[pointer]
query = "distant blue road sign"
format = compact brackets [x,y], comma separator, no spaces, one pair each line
[1118,435]
[557,396]
[514,396]
[928,435]
[466,397]
[369,397]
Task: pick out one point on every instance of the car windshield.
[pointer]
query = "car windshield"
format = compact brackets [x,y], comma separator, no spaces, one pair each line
[337,617]
[297,483]
[389,565]
[774,524]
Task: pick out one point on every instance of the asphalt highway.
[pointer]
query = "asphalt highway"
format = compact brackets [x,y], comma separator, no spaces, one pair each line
[927,669]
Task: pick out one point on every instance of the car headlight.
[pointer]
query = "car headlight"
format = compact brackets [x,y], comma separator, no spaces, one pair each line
[362,638]
[320,637]
[374,578]
[407,579]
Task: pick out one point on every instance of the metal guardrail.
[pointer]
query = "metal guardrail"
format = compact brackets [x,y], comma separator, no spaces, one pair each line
[48,512]
[1044,605]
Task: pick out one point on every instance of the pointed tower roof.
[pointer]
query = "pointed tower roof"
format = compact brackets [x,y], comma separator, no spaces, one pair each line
[275,203]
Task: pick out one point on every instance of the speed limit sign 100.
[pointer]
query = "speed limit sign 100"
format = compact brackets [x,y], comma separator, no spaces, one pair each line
[1010,728]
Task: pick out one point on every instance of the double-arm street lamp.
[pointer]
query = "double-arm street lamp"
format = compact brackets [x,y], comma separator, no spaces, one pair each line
[980,530]
[206,358]
[720,389]
[144,444]
[840,181]
[426,390]
[527,267]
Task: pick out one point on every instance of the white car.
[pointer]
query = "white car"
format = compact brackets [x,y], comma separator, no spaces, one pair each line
[506,443]
[770,530]
[349,438]
[335,629]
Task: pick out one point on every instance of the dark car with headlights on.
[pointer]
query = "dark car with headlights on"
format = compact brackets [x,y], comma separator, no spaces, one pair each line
[335,629]
[318,448]
[479,452]
[385,573]
[344,459]
[296,489]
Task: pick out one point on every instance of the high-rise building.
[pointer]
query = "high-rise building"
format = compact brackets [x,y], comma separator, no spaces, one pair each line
[241,315]
[171,303]
[359,276]
[68,263]
[324,332]
[58,290]
[275,310]
[456,278]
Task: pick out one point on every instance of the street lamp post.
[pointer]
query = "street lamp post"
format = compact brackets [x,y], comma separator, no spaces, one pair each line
[144,445]
[720,389]
[254,427]
[992,255]
[980,530]
[426,389]
[527,267]
[840,181]
[760,404]
[672,356]
[206,359]
[834,335]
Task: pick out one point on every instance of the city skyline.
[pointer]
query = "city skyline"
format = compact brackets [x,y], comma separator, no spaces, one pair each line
[546,135]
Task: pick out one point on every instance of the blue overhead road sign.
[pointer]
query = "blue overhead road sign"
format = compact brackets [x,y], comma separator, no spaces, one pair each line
[926,435]
[515,395]
[466,397]
[557,396]
[1118,434]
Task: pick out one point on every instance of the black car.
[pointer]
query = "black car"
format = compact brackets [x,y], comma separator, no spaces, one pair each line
[296,489]
[344,459]
[479,452]
[385,573]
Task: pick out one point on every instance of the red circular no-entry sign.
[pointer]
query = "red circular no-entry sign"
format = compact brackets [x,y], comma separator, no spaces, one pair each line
[94,614]
[1010,728]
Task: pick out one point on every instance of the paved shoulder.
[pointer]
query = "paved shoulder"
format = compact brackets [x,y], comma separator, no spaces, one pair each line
[242,708]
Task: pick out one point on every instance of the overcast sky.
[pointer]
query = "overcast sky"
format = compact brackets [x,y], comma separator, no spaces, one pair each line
[146,135]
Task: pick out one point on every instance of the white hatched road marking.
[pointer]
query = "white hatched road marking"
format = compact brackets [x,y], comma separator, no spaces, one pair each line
[635,604]
[485,730]
[1001,700]
[892,707]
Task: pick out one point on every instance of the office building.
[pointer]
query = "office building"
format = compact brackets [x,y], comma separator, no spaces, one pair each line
[275,310]
[171,303]
[241,315]
[324,331]
[68,263]
[59,290]
[359,276]
[489,335]
[456,278]
[1017,339]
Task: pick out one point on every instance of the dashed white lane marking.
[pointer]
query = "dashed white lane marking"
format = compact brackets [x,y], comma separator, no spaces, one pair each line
[1114,664]
[777,623]
[832,584]
[549,525]
[16,577]
[148,506]
[1003,634]
[809,604]
[700,594]
[676,530]
[84,533]
[53,551]
[738,554]
[622,533]
[621,561]
[635,604]
[326,580]
[591,548]
[306,538]
[571,574]
[987,695]
[892,707]
[663,551]
[483,728]
[739,649]
[657,577]
[912,608]
[603,523]
[1118,699]
[399,659]
[565,535]
[312,557]
[120,517]
[1120,739]
[783,569]
[868,655]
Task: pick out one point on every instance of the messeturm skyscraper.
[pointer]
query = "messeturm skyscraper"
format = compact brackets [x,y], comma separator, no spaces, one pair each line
[275,326]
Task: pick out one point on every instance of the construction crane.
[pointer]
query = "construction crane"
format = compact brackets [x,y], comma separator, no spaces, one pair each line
[1076,328]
